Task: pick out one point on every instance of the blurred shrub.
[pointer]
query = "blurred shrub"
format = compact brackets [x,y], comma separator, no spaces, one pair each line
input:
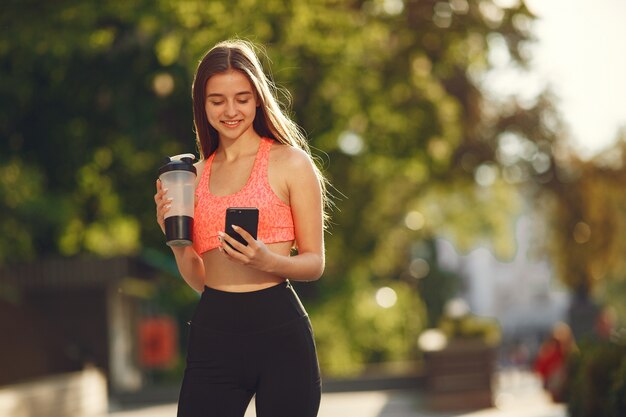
[598,381]
[366,325]
[618,392]
[470,326]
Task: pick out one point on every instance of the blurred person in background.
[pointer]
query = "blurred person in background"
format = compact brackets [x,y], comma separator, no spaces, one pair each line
[551,360]
[250,334]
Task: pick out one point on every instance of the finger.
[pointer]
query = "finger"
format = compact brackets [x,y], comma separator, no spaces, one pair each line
[227,239]
[159,187]
[234,255]
[162,205]
[244,234]
[160,194]
[227,250]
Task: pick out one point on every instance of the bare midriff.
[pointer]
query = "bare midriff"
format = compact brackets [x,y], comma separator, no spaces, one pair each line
[227,275]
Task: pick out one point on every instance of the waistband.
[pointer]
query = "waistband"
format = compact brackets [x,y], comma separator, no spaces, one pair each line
[248,312]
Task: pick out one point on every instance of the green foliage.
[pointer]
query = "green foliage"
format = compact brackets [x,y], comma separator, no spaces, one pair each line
[612,293]
[618,391]
[95,93]
[470,326]
[488,222]
[436,286]
[587,213]
[353,329]
[22,189]
[597,381]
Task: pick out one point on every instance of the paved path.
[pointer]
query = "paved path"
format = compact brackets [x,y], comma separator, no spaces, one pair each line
[518,394]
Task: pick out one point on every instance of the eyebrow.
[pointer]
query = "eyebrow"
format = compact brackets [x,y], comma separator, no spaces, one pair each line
[222,95]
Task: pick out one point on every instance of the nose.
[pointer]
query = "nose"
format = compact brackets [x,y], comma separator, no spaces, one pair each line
[230,109]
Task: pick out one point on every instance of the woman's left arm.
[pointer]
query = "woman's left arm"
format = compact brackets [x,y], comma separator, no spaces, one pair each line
[305,199]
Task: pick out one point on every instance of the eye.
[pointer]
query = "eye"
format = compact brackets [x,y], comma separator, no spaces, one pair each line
[216,103]
[243,101]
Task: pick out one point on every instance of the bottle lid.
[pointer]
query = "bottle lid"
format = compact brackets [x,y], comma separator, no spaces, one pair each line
[181,162]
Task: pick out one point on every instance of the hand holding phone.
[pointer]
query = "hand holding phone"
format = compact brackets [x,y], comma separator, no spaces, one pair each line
[245,217]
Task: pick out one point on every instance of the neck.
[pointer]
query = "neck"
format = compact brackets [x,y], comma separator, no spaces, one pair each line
[243,146]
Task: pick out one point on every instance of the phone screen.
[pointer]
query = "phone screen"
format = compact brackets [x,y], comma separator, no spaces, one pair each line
[245,217]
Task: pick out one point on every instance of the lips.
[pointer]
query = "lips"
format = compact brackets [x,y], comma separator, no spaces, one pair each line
[231,123]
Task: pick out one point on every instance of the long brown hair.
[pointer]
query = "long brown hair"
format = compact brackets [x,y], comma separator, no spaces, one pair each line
[271,119]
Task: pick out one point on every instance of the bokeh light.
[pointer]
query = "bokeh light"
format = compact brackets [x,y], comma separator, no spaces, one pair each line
[350,143]
[432,340]
[414,220]
[386,297]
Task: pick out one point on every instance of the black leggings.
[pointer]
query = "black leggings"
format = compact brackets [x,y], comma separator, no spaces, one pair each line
[241,344]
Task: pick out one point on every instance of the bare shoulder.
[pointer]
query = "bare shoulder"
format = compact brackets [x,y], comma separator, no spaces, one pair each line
[290,158]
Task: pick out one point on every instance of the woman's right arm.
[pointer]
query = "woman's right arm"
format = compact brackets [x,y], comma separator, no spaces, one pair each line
[190,264]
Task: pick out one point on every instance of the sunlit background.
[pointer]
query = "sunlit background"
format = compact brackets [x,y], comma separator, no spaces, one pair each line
[476,151]
[579,53]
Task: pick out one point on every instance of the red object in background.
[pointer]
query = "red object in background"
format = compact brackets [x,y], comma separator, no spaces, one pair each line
[158,347]
[550,359]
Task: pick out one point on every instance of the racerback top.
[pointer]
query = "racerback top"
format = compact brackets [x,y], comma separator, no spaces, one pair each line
[275,218]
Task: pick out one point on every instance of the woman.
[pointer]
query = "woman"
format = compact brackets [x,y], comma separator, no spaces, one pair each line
[249,335]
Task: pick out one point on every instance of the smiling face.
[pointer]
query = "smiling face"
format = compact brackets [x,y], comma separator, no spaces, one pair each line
[231,104]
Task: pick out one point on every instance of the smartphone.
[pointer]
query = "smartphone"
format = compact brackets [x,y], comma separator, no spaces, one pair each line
[245,217]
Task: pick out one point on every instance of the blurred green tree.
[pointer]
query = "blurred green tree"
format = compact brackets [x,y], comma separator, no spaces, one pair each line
[95,93]
[586,211]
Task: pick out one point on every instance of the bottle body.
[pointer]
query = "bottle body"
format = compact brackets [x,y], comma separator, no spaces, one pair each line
[180,185]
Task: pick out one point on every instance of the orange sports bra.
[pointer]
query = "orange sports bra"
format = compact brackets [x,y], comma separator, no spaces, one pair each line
[275,218]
